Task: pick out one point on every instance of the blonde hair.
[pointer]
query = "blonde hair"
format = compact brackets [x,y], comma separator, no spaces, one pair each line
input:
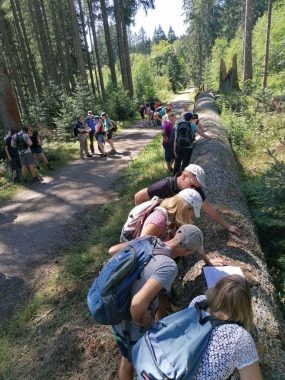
[230,300]
[179,211]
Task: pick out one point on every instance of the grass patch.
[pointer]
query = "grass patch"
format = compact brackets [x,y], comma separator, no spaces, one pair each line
[44,328]
[58,154]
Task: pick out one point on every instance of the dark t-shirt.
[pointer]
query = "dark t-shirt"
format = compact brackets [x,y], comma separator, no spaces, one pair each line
[12,151]
[35,140]
[167,187]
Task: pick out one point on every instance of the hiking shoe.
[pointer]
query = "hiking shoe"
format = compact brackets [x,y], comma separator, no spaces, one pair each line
[103,155]
[36,179]
[89,155]
[113,151]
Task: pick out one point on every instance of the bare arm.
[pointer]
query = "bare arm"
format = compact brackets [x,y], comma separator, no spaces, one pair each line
[141,196]
[116,248]
[151,230]
[203,134]
[141,301]
[251,372]
[7,153]
[217,217]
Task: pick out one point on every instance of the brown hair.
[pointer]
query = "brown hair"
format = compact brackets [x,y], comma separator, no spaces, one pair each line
[179,211]
[230,300]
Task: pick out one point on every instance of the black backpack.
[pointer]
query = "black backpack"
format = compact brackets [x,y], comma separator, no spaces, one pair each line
[21,143]
[184,135]
[75,130]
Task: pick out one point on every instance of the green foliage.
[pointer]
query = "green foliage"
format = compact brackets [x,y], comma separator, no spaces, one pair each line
[144,86]
[119,106]
[158,35]
[258,140]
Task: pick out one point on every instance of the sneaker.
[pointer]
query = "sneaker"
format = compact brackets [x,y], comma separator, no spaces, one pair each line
[36,179]
[89,155]
[113,151]
[103,155]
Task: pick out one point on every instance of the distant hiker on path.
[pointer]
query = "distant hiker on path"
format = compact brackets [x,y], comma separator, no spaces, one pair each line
[13,156]
[82,133]
[109,127]
[192,177]
[100,137]
[158,275]
[22,142]
[91,123]
[167,143]
[185,132]
[37,149]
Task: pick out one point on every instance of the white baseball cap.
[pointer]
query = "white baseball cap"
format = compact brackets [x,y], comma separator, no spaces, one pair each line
[193,198]
[198,173]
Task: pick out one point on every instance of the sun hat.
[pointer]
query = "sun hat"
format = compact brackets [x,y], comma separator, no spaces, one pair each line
[188,116]
[190,237]
[89,113]
[193,198]
[103,114]
[198,173]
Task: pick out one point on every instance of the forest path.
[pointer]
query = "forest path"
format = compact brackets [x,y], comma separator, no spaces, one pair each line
[39,221]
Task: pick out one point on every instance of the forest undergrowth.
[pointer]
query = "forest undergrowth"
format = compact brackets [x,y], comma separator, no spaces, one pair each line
[257,136]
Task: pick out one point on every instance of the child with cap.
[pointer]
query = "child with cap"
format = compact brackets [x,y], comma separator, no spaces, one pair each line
[158,274]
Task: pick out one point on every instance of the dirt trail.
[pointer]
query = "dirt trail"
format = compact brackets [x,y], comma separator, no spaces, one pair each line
[39,221]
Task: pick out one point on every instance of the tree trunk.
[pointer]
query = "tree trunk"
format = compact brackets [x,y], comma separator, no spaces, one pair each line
[67,41]
[93,52]
[228,80]
[121,45]
[77,43]
[9,112]
[23,44]
[58,32]
[97,53]
[86,47]
[266,55]
[37,34]
[224,192]
[247,50]
[13,62]
[127,52]
[108,42]
[48,44]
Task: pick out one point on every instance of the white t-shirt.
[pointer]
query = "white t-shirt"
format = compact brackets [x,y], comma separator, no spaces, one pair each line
[230,347]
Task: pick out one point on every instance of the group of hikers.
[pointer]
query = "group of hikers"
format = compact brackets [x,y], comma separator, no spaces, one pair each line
[100,127]
[24,151]
[154,346]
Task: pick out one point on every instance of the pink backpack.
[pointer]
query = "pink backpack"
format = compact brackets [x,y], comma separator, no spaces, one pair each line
[136,218]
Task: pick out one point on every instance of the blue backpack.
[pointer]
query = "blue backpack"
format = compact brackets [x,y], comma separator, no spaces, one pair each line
[173,347]
[109,297]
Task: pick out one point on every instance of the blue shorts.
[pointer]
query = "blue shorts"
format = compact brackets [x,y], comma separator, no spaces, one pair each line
[168,153]
[124,347]
[100,137]
[37,150]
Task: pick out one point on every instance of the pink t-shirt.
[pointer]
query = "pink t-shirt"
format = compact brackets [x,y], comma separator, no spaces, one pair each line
[159,219]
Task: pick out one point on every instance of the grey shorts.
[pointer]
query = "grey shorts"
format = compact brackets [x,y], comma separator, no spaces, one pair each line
[27,159]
